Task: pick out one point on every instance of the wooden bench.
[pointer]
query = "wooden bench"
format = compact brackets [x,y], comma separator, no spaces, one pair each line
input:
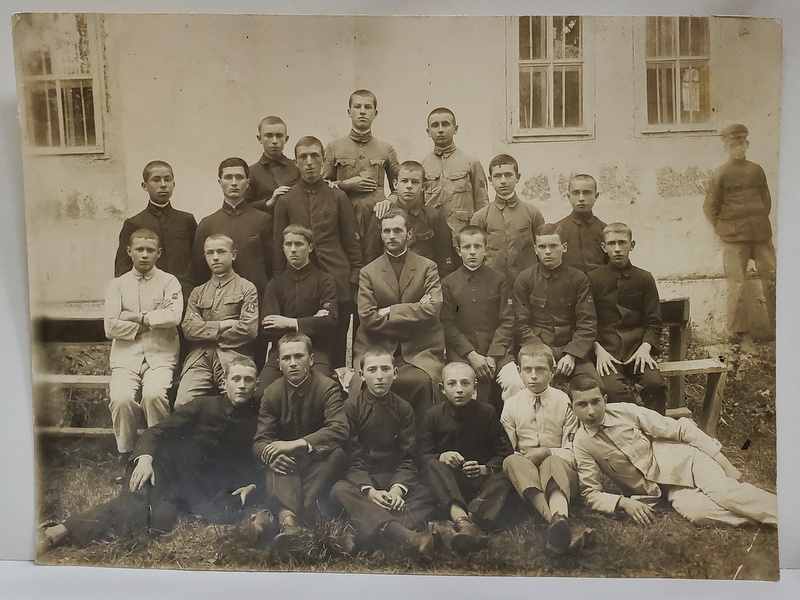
[716,372]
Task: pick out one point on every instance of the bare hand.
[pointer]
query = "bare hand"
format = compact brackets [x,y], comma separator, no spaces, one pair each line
[322,312]
[452,459]
[381,208]
[426,299]
[380,497]
[359,184]
[243,492]
[396,498]
[282,464]
[384,312]
[277,448]
[484,370]
[279,191]
[127,315]
[165,303]
[277,322]
[605,361]
[726,465]
[226,325]
[537,455]
[142,473]
[641,358]
[566,365]
[472,469]
[638,511]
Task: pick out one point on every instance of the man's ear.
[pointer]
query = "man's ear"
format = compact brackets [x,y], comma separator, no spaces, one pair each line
[144,185]
[441,388]
[129,251]
[233,254]
[564,244]
[633,244]
[603,246]
[311,359]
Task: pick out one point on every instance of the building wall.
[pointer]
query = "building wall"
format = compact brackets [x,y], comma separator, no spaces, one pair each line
[190,90]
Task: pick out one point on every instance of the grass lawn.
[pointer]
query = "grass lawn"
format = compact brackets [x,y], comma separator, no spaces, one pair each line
[76,474]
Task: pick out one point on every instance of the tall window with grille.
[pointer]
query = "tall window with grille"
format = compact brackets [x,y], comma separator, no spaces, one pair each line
[677,72]
[549,81]
[58,63]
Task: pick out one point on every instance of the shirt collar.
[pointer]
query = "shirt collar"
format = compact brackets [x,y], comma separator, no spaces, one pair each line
[222,281]
[555,271]
[459,412]
[301,387]
[300,273]
[617,272]
[308,187]
[610,420]
[150,274]
[469,273]
[400,256]
[372,398]
[415,211]
[543,397]
[503,202]
[266,160]
[156,209]
[238,209]
[446,151]
[360,138]
[578,221]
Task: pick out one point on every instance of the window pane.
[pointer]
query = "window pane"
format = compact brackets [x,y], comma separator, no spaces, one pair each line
[660,37]
[695,103]
[661,93]
[694,36]
[532,97]
[78,107]
[532,38]
[567,97]
[566,37]
[42,113]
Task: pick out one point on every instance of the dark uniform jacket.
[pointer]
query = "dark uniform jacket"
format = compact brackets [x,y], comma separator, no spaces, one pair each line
[381,440]
[478,314]
[268,175]
[328,214]
[313,411]
[250,230]
[176,229]
[555,307]
[628,309]
[300,294]
[474,431]
[738,202]
[583,238]
[430,237]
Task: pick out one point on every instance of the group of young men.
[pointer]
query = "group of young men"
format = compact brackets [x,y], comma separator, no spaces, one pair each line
[463,313]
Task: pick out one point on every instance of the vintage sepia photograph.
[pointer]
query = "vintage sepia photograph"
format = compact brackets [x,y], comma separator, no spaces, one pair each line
[388,294]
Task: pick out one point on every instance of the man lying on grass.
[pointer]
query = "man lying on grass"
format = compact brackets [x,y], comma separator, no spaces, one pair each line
[649,455]
[187,464]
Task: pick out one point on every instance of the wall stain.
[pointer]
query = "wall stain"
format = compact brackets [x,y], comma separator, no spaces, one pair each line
[690,182]
[77,206]
[618,183]
[536,188]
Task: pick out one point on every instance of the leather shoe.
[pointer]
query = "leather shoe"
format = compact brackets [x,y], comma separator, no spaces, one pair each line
[559,536]
[469,537]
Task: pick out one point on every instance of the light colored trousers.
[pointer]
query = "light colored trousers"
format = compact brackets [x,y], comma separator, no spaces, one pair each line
[137,398]
[735,258]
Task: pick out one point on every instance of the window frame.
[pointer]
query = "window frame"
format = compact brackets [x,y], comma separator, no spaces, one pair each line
[642,126]
[514,132]
[97,78]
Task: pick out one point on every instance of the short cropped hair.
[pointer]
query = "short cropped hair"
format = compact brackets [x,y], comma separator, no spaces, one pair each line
[503,159]
[538,351]
[220,237]
[363,94]
[295,336]
[297,229]
[582,176]
[617,228]
[148,168]
[470,230]
[412,165]
[397,212]
[550,229]
[583,383]
[233,161]
[307,141]
[241,361]
[146,234]
[456,363]
[441,109]
[374,352]
[270,120]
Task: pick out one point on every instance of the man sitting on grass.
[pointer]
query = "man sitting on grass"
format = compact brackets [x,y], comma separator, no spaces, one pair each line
[196,461]
[649,455]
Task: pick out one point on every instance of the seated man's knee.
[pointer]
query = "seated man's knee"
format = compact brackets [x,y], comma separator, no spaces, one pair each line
[122,398]
[617,389]
[516,461]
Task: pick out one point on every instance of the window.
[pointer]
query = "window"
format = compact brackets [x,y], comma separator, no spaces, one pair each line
[548,75]
[677,73]
[62,93]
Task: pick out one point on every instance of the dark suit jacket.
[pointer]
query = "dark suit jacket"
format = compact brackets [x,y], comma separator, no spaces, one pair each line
[411,325]
[473,430]
[176,229]
[381,440]
[478,314]
[317,416]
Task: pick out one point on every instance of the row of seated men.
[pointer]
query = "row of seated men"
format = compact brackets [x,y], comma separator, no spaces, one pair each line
[369,461]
